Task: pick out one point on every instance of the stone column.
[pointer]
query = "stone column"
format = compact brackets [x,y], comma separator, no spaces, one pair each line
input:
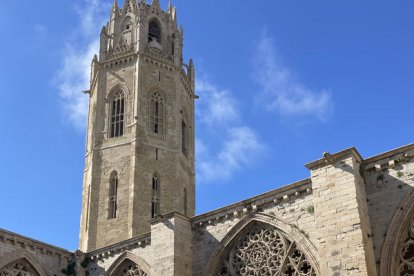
[171,245]
[344,232]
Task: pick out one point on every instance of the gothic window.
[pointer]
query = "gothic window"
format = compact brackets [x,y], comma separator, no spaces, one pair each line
[157,113]
[154,32]
[117,114]
[184,138]
[20,267]
[129,268]
[185,201]
[406,254]
[113,195]
[264,250]
[155,196]
[127,25]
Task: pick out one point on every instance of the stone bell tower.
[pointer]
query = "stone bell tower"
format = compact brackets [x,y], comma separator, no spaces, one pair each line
[139,160]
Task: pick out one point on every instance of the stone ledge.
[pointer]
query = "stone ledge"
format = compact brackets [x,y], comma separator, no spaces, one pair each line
[382,157]
[334,157]
[277,196]
[29,243]
[107,251]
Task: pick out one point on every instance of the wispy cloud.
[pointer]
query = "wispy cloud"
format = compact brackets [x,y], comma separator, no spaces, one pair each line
[73,76]
[281,91]
[240,148]
[226,145]
[216,105]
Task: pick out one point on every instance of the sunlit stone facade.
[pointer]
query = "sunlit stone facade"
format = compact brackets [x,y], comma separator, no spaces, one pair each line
[352,216]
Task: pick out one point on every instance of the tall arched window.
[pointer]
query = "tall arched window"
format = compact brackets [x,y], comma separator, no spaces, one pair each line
[154,32]
[184,137]
[117,114]
[157,113]
[113,195]
[155,198]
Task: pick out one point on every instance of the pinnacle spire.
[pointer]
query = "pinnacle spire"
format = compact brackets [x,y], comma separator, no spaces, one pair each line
[156,3]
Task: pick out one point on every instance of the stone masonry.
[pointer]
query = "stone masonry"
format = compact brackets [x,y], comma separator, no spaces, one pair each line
[352,216]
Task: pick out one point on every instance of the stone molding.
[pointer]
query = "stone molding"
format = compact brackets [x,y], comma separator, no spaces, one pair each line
[26,243]
[303,243]
[275,197]
[123,246]
[22,254]
[396,230]
[127,255]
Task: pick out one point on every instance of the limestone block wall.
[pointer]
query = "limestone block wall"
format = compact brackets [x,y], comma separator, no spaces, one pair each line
[389,179]
[103,259]
[291,206]
[46,259]
[344,233]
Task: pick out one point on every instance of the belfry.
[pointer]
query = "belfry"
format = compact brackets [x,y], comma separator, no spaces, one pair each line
[140,135]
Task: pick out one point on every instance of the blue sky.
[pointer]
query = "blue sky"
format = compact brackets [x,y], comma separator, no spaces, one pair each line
[280,82]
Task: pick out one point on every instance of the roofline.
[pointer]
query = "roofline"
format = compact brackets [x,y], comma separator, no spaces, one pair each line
[389,153]
[277,191]
[37,242]
[338,155]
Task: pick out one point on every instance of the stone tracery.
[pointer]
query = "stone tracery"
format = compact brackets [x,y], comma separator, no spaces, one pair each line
[265,251]
[20,267]
[406,257]
[129,268]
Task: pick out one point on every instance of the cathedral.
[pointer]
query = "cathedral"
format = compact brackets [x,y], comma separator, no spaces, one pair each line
[351,216]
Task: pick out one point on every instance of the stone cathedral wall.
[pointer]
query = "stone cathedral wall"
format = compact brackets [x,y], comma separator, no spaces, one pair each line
[44,258]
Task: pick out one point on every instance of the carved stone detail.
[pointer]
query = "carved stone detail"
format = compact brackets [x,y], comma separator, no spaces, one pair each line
[129,268]
[265,251]
[19,268]
[406,262]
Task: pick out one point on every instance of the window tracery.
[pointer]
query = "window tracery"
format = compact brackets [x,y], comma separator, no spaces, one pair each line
[19,268]
[113,195]
[157,113]
[406,257]
[117,114]
[265,251]
[129,268]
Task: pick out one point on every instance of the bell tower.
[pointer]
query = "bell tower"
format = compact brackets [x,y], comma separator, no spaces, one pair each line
[139,160]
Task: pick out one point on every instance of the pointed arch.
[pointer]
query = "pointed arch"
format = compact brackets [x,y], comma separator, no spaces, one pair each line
[154,30]
[22,257]
[155,195]
[113,195]
[117,99]
[156,108]
[130,261]
[262,224]
[398,234]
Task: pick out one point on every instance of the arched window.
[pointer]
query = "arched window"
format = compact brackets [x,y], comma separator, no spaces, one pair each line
[113,195]
[184,137]
[155,198]
[117,114]
[185,201]
[157,113]
[154,32]
[19,267]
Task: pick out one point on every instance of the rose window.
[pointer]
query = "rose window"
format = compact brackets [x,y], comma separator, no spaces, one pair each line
[265,251]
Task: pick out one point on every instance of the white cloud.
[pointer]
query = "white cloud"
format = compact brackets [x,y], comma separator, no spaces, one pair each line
[216,105]
[219,119]
[240,148]
[73,76]
[281,92]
